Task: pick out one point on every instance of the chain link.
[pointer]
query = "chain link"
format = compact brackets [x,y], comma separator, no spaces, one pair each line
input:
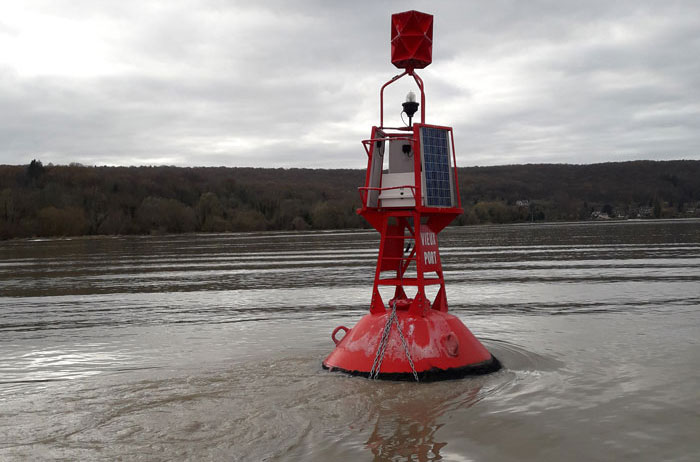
[405,346]
[381,348]
[384,340]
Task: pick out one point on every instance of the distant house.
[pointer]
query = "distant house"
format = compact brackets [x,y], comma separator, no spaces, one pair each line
[693,209]
[522,203]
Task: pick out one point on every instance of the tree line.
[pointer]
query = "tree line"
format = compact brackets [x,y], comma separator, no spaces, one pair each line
[55,200]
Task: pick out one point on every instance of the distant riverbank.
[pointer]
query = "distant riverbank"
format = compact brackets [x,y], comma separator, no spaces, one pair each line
[38,200]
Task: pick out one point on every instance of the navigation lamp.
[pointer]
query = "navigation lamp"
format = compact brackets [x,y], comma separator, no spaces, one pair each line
[410,106]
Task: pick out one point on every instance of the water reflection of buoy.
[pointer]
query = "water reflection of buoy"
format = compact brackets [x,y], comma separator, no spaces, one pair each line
[410,194]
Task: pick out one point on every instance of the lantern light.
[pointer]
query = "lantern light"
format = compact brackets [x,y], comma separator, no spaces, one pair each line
[410,106]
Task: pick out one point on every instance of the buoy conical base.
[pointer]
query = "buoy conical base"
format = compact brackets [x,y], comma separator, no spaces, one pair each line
[440,346]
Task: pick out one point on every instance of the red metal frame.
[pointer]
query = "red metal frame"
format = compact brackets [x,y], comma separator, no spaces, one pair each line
[419,82]
[368,143]
[417,168]
[397,225]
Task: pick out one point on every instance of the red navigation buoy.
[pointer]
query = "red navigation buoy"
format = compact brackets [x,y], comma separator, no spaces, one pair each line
[410,194]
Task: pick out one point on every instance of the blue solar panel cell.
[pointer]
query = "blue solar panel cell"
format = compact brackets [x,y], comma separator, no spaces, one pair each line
[436,167]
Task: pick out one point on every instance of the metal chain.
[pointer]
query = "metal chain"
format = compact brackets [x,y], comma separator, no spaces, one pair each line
[381,349]
[384,340]
[405,346]
[398,327]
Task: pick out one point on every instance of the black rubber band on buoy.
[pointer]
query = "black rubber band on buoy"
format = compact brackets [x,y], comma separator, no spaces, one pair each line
[434,374]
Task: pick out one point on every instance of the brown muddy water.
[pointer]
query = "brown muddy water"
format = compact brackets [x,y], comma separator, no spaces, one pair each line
[209,347]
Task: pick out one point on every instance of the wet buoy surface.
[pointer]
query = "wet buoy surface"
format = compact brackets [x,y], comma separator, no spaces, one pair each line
[440,345]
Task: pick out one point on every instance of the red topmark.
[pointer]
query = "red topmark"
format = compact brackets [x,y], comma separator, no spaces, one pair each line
[411,40]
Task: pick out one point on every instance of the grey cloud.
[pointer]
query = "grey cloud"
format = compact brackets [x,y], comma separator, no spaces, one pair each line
[296,85]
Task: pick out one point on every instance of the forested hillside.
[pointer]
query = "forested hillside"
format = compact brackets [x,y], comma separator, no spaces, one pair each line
[38,200]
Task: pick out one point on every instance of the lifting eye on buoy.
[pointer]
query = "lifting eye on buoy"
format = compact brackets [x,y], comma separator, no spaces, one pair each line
[410,194]
[335,332]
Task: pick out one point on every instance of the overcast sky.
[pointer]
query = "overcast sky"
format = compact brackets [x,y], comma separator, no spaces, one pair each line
[296,84]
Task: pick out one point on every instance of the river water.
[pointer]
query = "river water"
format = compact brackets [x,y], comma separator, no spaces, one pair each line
[209,347]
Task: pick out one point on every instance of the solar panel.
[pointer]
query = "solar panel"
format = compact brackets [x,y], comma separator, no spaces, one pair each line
[436,166]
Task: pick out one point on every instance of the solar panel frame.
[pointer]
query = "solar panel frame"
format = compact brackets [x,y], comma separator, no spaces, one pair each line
[436,159]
